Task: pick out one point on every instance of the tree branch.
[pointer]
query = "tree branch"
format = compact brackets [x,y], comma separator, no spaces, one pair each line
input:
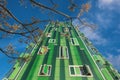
[83,23]
[51,9]
[18,33]
[4,52]
[35,22]
[23,25]
[15,17]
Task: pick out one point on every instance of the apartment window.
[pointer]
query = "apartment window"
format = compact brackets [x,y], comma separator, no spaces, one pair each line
[80,70]
[63,53]
[74,41]
[43,50]
[52,41]
[48,34]
[45,70]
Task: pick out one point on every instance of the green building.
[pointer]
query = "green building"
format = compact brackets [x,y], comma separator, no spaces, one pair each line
[62,53]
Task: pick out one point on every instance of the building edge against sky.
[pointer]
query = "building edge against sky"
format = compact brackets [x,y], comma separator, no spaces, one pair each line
[62,53]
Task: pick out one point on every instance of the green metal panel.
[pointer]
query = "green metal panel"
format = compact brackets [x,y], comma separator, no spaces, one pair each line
[79,54]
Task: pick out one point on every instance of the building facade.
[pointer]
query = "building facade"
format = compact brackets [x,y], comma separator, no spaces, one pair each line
[63,53]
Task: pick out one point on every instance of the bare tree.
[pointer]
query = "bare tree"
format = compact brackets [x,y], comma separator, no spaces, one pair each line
[29,30]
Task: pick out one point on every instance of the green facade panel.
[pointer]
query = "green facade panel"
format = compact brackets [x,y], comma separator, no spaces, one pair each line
[65,47]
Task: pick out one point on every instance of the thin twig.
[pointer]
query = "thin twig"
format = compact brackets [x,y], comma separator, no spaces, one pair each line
[51,9]
[7,54]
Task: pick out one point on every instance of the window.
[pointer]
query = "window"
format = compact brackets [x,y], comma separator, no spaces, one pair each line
[45,70]
[63,53]
[52,41]
[66,30]
[80,70]
[74,41]
[43,50]
[48,34]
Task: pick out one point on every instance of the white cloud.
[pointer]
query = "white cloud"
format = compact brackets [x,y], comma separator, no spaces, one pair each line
[119,26]
[106,2]
[118,50]
[115,60]
[117,31]
[109,4]
[103,20]
[93,35]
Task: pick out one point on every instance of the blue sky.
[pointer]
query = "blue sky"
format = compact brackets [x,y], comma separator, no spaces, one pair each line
[104,13]
[106,38]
